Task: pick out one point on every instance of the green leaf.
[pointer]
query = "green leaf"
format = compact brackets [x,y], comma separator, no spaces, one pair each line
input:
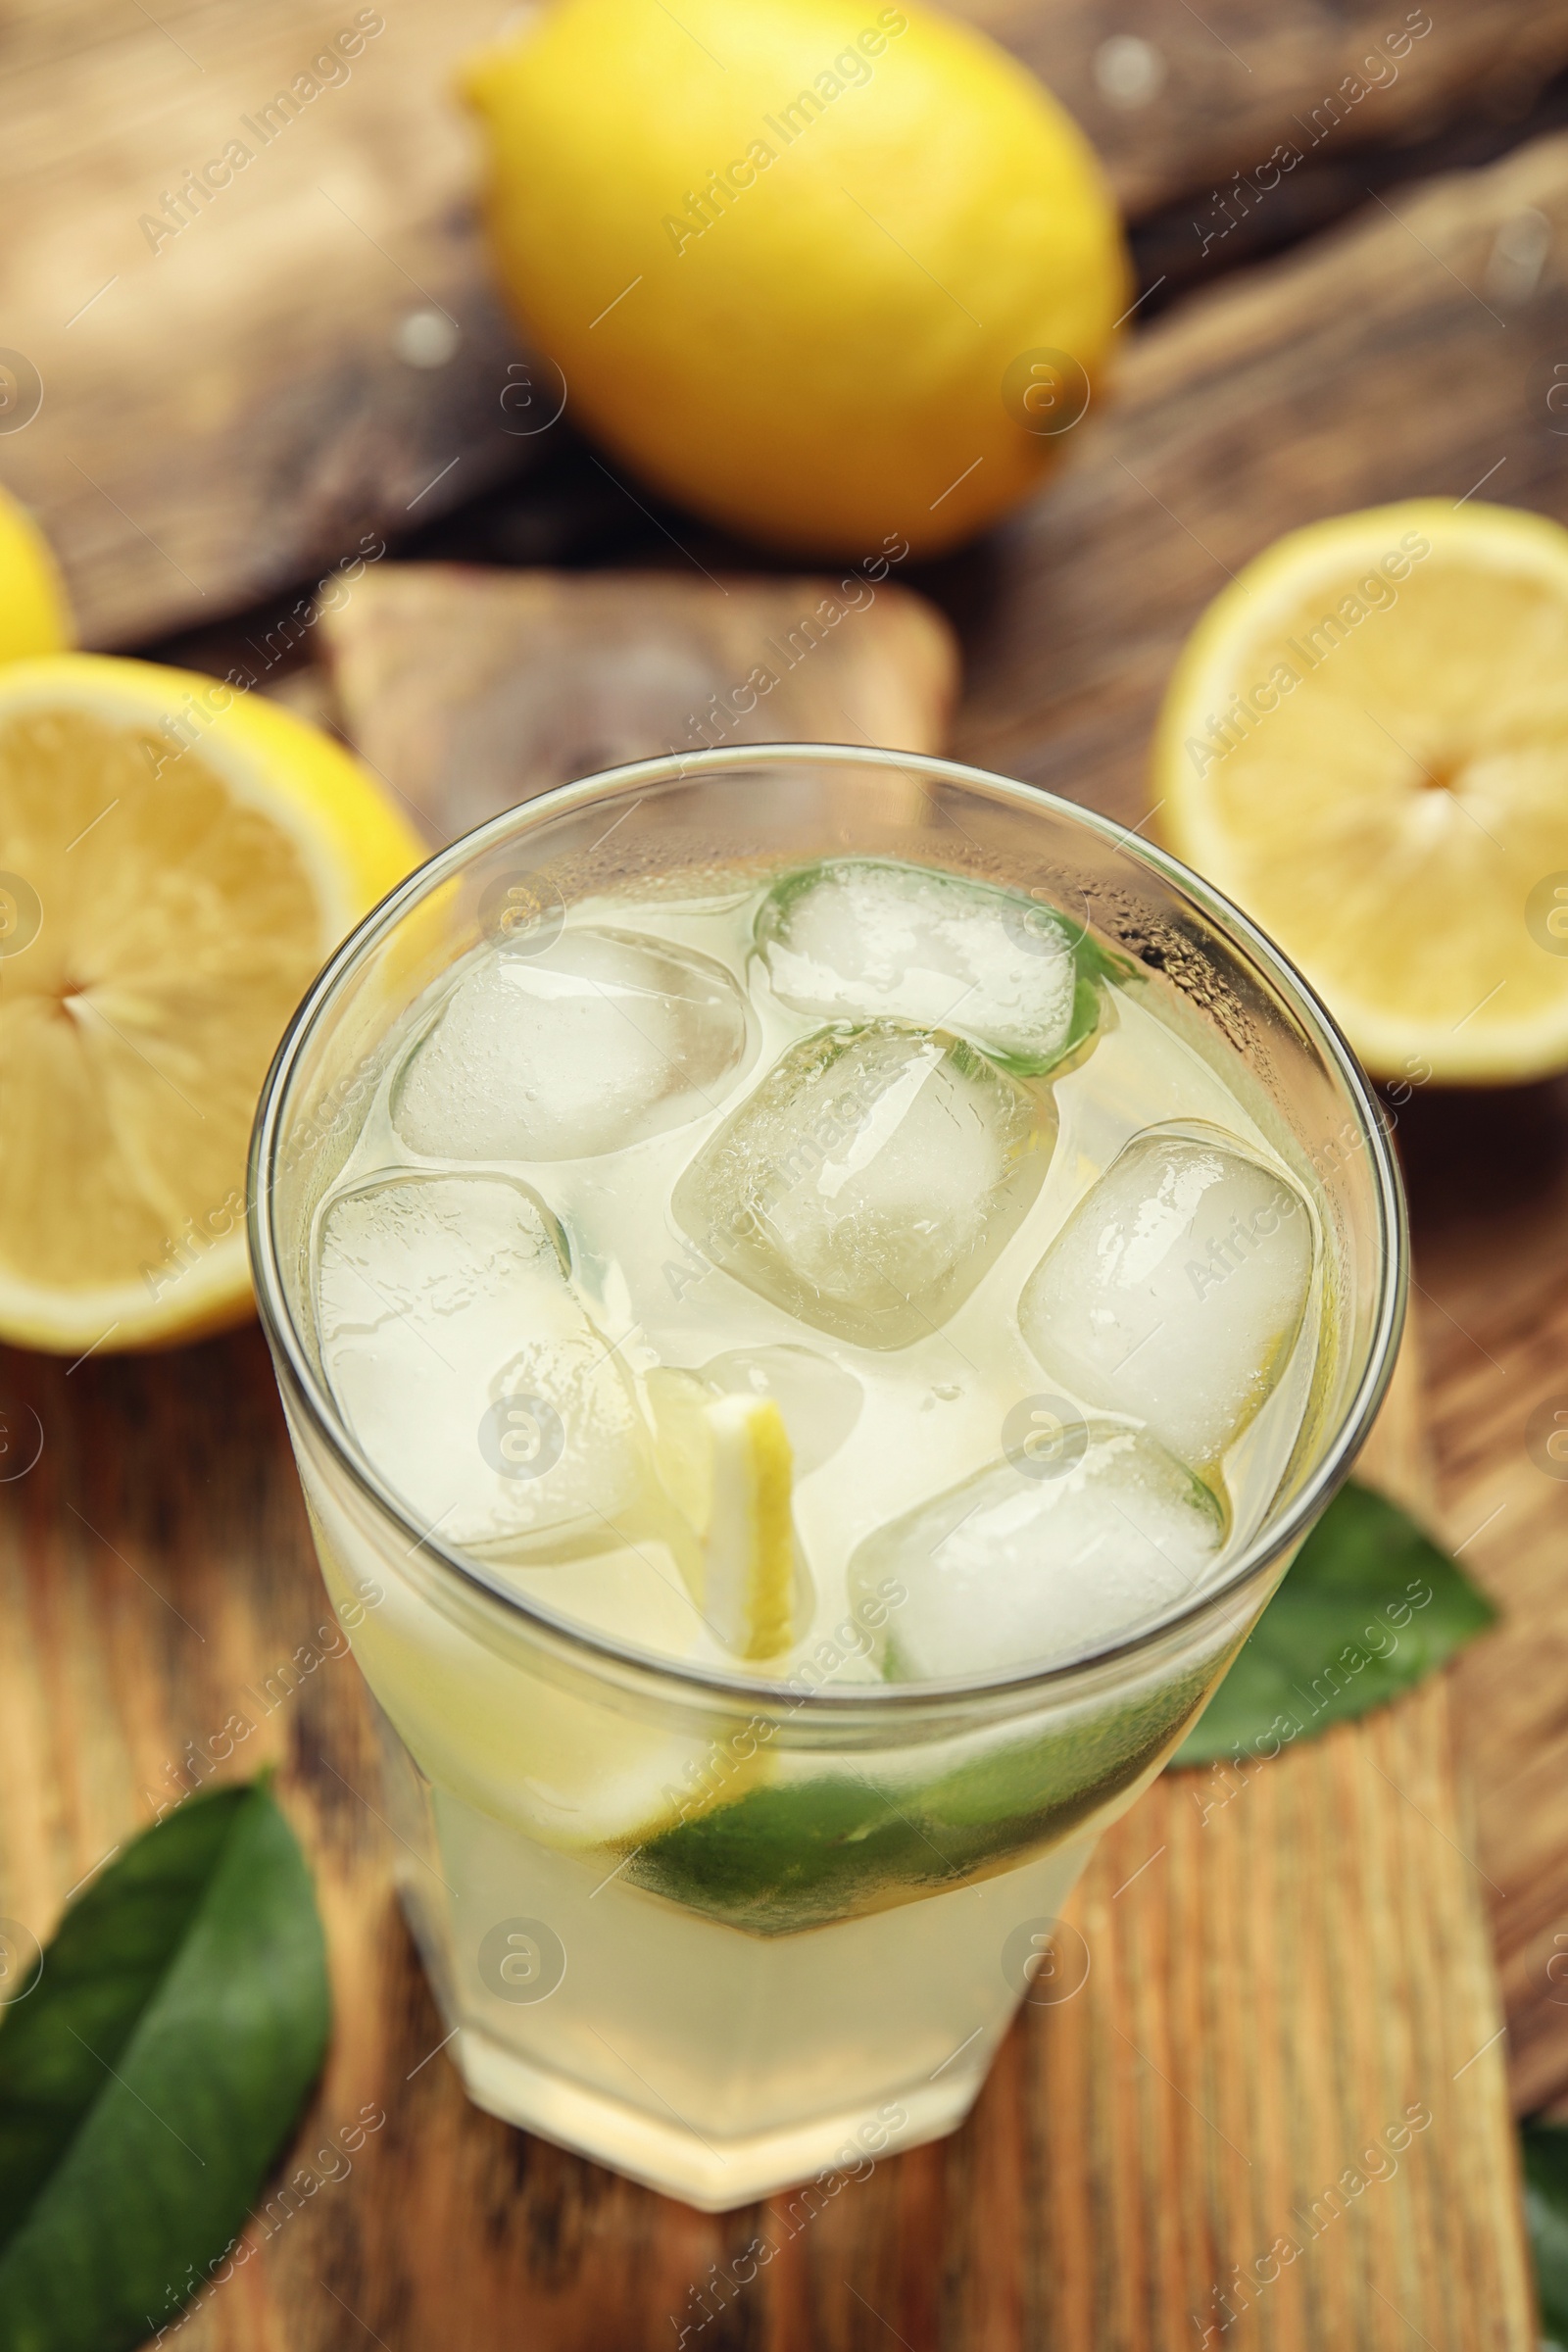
[1545,2149]
[149,2079]
[1369,1607]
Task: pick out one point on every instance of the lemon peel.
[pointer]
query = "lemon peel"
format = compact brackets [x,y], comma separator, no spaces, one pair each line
[34,612]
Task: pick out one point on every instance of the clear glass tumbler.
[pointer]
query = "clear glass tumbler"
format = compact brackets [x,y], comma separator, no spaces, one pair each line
[816,1962]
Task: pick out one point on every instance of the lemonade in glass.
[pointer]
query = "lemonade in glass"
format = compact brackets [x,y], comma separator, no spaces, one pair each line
[815,1293]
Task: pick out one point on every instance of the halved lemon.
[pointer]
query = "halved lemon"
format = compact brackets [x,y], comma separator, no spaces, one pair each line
[1365,744]
[176,860]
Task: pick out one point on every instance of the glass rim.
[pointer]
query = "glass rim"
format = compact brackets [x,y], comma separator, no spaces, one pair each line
[594,1650]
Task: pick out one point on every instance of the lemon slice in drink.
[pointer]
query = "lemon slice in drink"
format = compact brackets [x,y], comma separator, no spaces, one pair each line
[176,860]
[1365,744]
[727,1465]
[749,1546]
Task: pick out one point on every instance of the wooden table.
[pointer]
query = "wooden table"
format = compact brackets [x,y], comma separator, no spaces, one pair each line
[1288,1971]
[1275,1979]
[1284,1972]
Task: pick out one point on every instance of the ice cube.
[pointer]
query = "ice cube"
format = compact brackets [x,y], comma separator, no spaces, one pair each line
[469,1371]
[1175,1291]
[870,1179]
[862,936]
[604,1039]
[1010,1568]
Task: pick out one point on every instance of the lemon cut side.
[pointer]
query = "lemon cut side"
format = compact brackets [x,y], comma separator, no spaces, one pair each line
[177,861]
[1365,744]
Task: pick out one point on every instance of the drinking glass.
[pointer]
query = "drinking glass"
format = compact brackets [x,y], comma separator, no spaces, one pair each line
[812,1954]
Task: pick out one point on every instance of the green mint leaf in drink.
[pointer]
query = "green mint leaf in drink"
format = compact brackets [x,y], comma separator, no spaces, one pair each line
[788,1856]
[152,2070]
[1370,1607]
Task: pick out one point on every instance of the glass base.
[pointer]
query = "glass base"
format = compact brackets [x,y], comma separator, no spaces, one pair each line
[720,2067]
[709,2064]
[714,2176]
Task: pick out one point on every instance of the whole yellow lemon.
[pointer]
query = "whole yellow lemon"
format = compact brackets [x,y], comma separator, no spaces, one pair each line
[35,615]
[830,272]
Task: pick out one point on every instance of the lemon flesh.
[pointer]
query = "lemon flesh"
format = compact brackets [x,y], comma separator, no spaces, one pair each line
[174,875]
[786,256]
[1365,745]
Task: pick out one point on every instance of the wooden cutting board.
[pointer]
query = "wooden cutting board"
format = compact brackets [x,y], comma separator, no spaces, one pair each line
[1493,1267]
[318,354]
[469,690]
[1288,2029]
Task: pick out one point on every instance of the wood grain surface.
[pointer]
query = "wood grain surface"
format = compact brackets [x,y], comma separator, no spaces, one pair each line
[227,407]
[1288,2029]
[469,690]
[1221,88]
[318,352]
[1491,1179]
[1279,1968]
